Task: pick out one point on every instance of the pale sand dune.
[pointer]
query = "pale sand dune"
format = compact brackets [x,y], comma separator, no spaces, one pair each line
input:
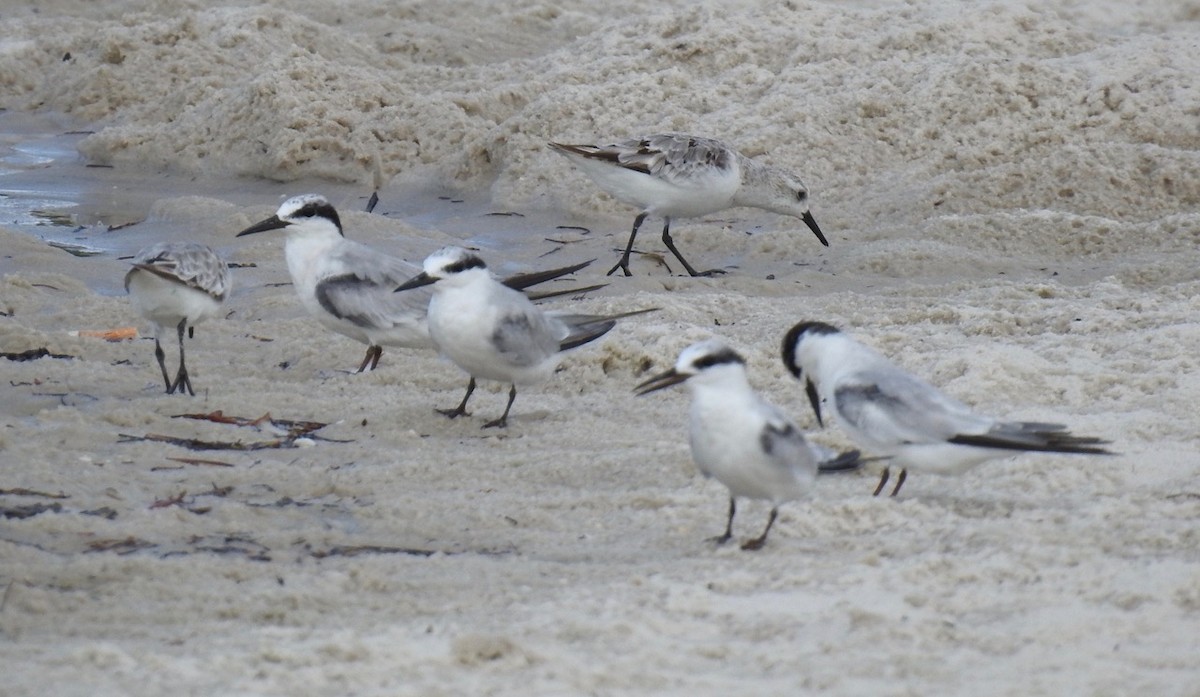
[1011,199]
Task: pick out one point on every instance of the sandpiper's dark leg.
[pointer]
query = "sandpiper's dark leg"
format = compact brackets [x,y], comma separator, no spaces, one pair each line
[900,481]
[461,409]
[162,363]
[366,359]
[182,381]
[882,480]
[372,358]
[503,420]
[623,264]
[758,542]
[371,203]
[722,539]
[666,238]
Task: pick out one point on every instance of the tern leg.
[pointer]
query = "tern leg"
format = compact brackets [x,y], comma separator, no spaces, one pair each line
[162,363]
[722,539]
[882,480]
[461,409]
[623,264]
[900,481]
[502,422]
[372,357]
[758,542]
[182,381]
[666,238]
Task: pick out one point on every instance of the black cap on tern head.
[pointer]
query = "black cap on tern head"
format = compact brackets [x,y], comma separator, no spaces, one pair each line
[790,341]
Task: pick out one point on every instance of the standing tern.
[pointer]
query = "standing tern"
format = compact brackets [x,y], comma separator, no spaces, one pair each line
[896,414]
[494,332]
[176,286]
[675,175]
[738,437]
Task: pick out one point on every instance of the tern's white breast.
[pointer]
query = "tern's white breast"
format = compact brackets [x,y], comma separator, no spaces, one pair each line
[726,429]
[464,315]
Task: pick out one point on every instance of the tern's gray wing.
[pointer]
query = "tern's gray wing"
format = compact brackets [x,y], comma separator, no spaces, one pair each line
[360,285]
[194,265]
[831,461]
[578,329]
[891,406]
[1034,436]
[523,335]
[782,442]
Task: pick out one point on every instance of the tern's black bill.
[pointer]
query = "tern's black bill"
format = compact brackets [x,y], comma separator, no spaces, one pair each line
[660,381]
[812,225]
[811,390]
[272,223]
[421,279]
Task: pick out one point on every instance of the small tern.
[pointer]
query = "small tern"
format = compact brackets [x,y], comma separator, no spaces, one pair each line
[892,412]
[680,176]
[494,332]
[176,286]
[738,437]
[347,286]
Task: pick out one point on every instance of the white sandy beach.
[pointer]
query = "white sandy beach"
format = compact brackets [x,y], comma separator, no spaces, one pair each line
[1012,196]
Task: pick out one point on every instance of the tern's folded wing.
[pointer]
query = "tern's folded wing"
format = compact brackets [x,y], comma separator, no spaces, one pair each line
[893,407]
[784,444]
[370,304]
[525,337]
[357,285]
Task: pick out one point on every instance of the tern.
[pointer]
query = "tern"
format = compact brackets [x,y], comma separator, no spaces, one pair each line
[898,415]
[493,332]
[737,437]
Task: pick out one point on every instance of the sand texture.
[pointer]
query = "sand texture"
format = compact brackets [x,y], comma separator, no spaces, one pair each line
[1012,196]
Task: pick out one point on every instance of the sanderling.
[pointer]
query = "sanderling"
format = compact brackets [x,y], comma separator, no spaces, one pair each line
[176,286]
[894,413]
[681,176]
[738,437]
[494,332]
[347,286]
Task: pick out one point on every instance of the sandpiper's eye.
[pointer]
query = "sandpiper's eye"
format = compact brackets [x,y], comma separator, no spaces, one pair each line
[802,196]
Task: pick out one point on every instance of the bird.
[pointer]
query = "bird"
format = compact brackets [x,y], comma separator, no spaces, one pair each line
[738,437]
[675,175]
[176,286]
[347,286]
[902,417]
[494,332]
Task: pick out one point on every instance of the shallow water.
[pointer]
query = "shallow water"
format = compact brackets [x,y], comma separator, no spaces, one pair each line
[48,192]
